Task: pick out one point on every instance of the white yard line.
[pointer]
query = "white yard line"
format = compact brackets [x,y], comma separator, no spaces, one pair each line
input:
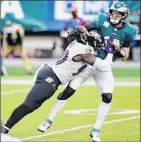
[15,92]
[30,82]
[87,83]
[80,127]
[17,82]
[121,84]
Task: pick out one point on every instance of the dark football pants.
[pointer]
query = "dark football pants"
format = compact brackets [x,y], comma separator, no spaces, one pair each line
[45,86]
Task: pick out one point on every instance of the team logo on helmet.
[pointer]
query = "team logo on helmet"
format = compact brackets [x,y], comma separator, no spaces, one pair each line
[118,5]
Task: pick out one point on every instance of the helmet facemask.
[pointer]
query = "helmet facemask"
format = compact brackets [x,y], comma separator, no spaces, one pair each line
[116,17]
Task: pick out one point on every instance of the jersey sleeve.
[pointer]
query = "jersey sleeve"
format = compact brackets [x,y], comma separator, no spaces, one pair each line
[79,49]
[130,37]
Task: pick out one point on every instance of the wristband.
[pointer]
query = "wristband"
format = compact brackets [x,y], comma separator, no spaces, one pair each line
[121,53]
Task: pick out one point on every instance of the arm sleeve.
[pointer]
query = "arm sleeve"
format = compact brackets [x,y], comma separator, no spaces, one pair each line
[79,49]
[130,37]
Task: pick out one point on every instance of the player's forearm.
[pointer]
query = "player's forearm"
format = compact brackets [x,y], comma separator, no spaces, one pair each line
[90,59]
[123,54]
[97,62]
[87,28]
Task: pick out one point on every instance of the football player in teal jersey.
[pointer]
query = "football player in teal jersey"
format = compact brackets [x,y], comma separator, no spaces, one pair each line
[113,26]
[116,26]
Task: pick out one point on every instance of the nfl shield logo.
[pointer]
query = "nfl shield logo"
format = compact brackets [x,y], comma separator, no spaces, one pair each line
[49,79]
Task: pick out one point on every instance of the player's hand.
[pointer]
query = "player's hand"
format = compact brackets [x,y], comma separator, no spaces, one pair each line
[82,29]
[116,44]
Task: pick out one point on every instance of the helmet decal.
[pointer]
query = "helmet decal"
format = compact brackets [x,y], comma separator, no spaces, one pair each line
[118,5]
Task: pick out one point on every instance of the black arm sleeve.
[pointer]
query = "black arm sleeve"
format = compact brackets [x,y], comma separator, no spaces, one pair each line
[127,44]
[67,93]
[91,26]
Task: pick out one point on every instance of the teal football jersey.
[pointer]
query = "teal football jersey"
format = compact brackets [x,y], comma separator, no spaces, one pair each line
[125,35]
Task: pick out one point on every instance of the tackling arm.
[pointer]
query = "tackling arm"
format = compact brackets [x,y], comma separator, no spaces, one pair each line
[122,53]
[90,59]
[87,28]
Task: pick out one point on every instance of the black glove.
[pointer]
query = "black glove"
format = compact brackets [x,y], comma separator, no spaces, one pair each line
[74,35]
[97,36]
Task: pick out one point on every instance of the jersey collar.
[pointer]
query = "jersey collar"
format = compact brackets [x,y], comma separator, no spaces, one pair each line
[124,25]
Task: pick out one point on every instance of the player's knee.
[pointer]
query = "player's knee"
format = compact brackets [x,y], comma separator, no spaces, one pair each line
[106,97]
[33,105]
[67,93]
[26,108]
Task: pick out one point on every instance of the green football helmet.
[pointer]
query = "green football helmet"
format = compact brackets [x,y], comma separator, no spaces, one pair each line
[122,8]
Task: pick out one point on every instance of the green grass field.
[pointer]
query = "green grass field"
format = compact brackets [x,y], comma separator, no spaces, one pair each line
[120,72]
[122,124]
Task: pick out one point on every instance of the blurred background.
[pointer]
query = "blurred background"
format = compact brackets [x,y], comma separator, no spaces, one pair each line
[46,24]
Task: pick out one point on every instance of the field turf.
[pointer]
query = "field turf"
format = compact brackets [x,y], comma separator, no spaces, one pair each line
[76,119]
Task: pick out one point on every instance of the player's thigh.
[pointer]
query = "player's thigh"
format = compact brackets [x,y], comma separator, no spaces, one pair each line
[81,78]
[17,50]
[104,80]
[6,50]
[39,93]
[20,50]
[45,86]
[35,76]
[23,51]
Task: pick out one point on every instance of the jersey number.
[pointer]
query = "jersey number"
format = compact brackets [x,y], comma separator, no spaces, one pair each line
[63,58]
[106,38]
